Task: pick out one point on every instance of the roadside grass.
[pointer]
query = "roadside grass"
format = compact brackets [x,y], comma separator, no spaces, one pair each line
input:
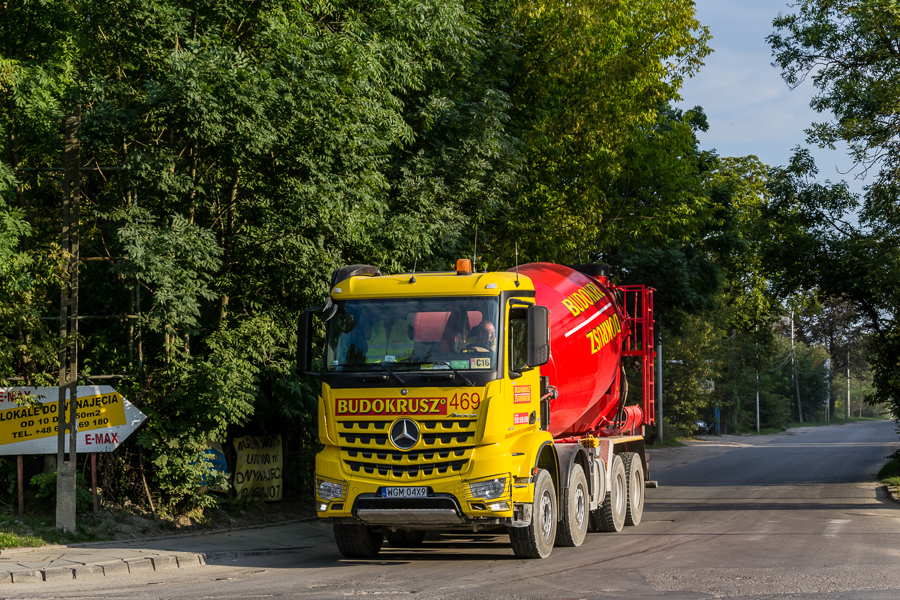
[129,521]
[890,472]
[16,534]
[667,443]
[39,529]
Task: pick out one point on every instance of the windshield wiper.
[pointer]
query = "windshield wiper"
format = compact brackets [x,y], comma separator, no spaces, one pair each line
[452,368]
[365,372]
[394,375]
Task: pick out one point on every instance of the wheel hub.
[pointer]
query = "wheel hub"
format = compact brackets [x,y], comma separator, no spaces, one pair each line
[546,515]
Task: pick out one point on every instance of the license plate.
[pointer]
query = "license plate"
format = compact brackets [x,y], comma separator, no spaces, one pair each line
[404,492]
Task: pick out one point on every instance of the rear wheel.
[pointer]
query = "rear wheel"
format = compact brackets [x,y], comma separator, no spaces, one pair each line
[405,539]
[575,510]
[611,514]
[357,541]
[635,477]
[536,540]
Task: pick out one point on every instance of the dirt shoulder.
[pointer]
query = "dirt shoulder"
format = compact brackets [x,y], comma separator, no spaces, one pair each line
[132,522]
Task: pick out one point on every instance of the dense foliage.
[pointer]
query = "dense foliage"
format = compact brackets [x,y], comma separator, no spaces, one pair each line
[233,154]
[849,50]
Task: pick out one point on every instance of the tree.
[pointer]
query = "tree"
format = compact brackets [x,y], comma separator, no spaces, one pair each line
[850,49]
[35,84]
[236,153]
[589,89]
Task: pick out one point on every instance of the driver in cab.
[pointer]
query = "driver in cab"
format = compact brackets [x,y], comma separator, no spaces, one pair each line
[482,337]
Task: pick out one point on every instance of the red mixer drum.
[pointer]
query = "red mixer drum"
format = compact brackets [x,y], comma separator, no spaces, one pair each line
[586,333]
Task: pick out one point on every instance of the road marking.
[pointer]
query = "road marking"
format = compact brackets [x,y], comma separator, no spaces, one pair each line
[767,528]
[834,526]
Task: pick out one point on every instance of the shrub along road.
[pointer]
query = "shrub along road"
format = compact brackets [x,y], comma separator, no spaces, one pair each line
[796,515]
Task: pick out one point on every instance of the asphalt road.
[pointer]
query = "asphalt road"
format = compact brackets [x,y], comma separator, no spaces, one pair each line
[794,515]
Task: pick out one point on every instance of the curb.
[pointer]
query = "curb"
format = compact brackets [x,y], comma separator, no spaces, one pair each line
[65,563]
[893,492]
[146,564]
[8,551]
[113,568]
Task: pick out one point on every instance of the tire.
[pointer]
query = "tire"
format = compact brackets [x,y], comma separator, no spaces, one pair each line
[611,514]
[536,540]
[576,512]
[405,539]
[357,541]
[634,470]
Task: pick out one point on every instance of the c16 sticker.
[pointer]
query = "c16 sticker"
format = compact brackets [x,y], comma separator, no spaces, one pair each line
[479,363]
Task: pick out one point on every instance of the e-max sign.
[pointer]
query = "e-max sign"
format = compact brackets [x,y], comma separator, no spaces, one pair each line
[28,419]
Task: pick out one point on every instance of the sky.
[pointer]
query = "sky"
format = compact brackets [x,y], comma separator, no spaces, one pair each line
[749,107]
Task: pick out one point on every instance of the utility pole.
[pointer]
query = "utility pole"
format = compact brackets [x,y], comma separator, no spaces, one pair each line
[848,383]
[796,379]
[828,390]
[68,330]
[756,353]
[757,401]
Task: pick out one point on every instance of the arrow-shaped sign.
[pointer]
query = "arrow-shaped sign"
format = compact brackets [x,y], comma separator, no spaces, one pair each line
[28,423]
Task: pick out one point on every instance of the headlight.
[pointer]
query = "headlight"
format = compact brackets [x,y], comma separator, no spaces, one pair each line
[488,489]
[330,490]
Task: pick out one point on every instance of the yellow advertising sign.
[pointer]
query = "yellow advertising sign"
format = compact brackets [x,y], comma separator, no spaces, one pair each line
[28,419]
[258,469]
[34,422]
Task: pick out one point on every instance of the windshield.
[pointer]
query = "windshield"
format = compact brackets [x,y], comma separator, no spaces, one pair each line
[413,334]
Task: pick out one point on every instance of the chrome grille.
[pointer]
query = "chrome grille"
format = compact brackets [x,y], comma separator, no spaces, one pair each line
[445,447]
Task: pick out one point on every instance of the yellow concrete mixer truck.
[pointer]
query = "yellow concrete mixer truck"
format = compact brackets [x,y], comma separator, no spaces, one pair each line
[463,400]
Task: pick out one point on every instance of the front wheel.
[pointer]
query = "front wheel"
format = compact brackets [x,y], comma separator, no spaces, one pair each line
[536,540]
[357,541]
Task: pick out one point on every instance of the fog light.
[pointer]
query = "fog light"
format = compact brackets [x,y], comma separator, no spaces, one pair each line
[323,507]
[499,506]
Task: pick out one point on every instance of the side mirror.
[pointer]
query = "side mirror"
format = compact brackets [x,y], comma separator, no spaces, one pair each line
[304,341]
[538,336]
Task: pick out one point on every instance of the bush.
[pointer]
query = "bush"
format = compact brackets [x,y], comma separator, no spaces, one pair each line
[46,484]
[890,472]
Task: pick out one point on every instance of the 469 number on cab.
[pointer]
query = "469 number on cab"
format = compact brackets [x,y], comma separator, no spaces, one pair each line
[465,401]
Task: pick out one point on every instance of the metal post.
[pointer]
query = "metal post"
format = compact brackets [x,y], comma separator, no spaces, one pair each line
[757,401]
[94,495]
[796,378]
[848,384]
[68,330]
[659,386]
[20,481]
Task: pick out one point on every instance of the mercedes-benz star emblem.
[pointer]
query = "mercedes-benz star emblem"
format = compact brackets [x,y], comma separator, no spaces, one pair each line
[404,433]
